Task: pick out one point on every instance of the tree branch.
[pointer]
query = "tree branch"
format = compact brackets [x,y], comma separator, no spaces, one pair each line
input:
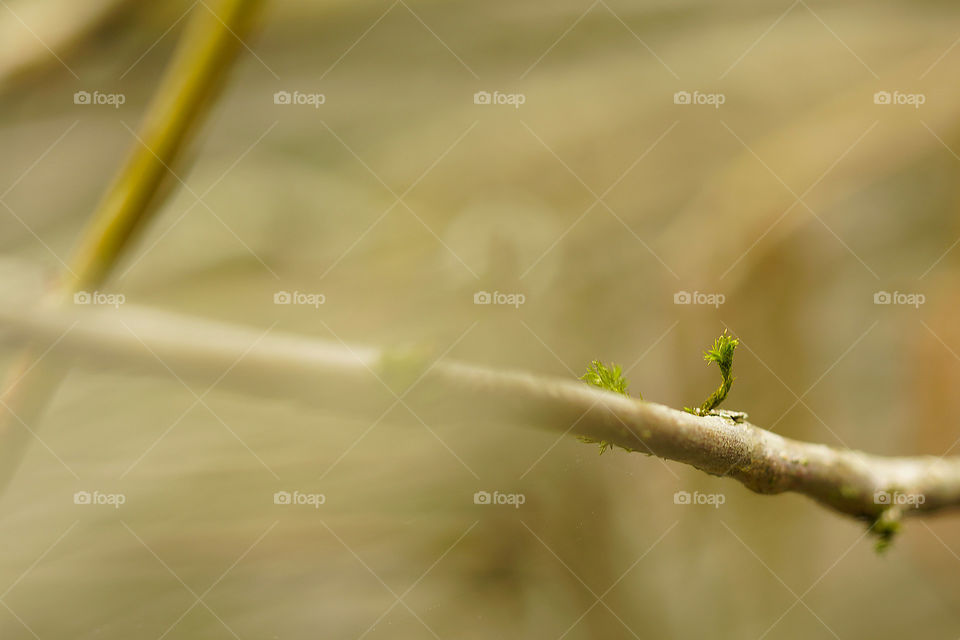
[366,381]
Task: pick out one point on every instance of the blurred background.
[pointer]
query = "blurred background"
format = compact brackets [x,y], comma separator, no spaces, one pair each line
[778,166]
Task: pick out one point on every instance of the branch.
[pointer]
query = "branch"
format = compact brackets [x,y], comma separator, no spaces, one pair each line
[366,381]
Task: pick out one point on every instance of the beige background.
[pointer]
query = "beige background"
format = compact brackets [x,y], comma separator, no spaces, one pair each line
[797,200]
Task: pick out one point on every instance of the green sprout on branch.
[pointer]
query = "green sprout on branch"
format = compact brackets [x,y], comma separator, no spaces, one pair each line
[886,526]
[609,378]
[722,355]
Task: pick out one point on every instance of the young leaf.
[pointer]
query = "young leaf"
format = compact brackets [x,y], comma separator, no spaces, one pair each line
[610,379]
[722,355]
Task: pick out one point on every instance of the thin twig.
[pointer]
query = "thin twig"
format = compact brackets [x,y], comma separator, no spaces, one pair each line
[351,379]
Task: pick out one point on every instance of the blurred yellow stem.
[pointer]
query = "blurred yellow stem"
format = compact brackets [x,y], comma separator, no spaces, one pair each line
[206,50]
[192,78]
